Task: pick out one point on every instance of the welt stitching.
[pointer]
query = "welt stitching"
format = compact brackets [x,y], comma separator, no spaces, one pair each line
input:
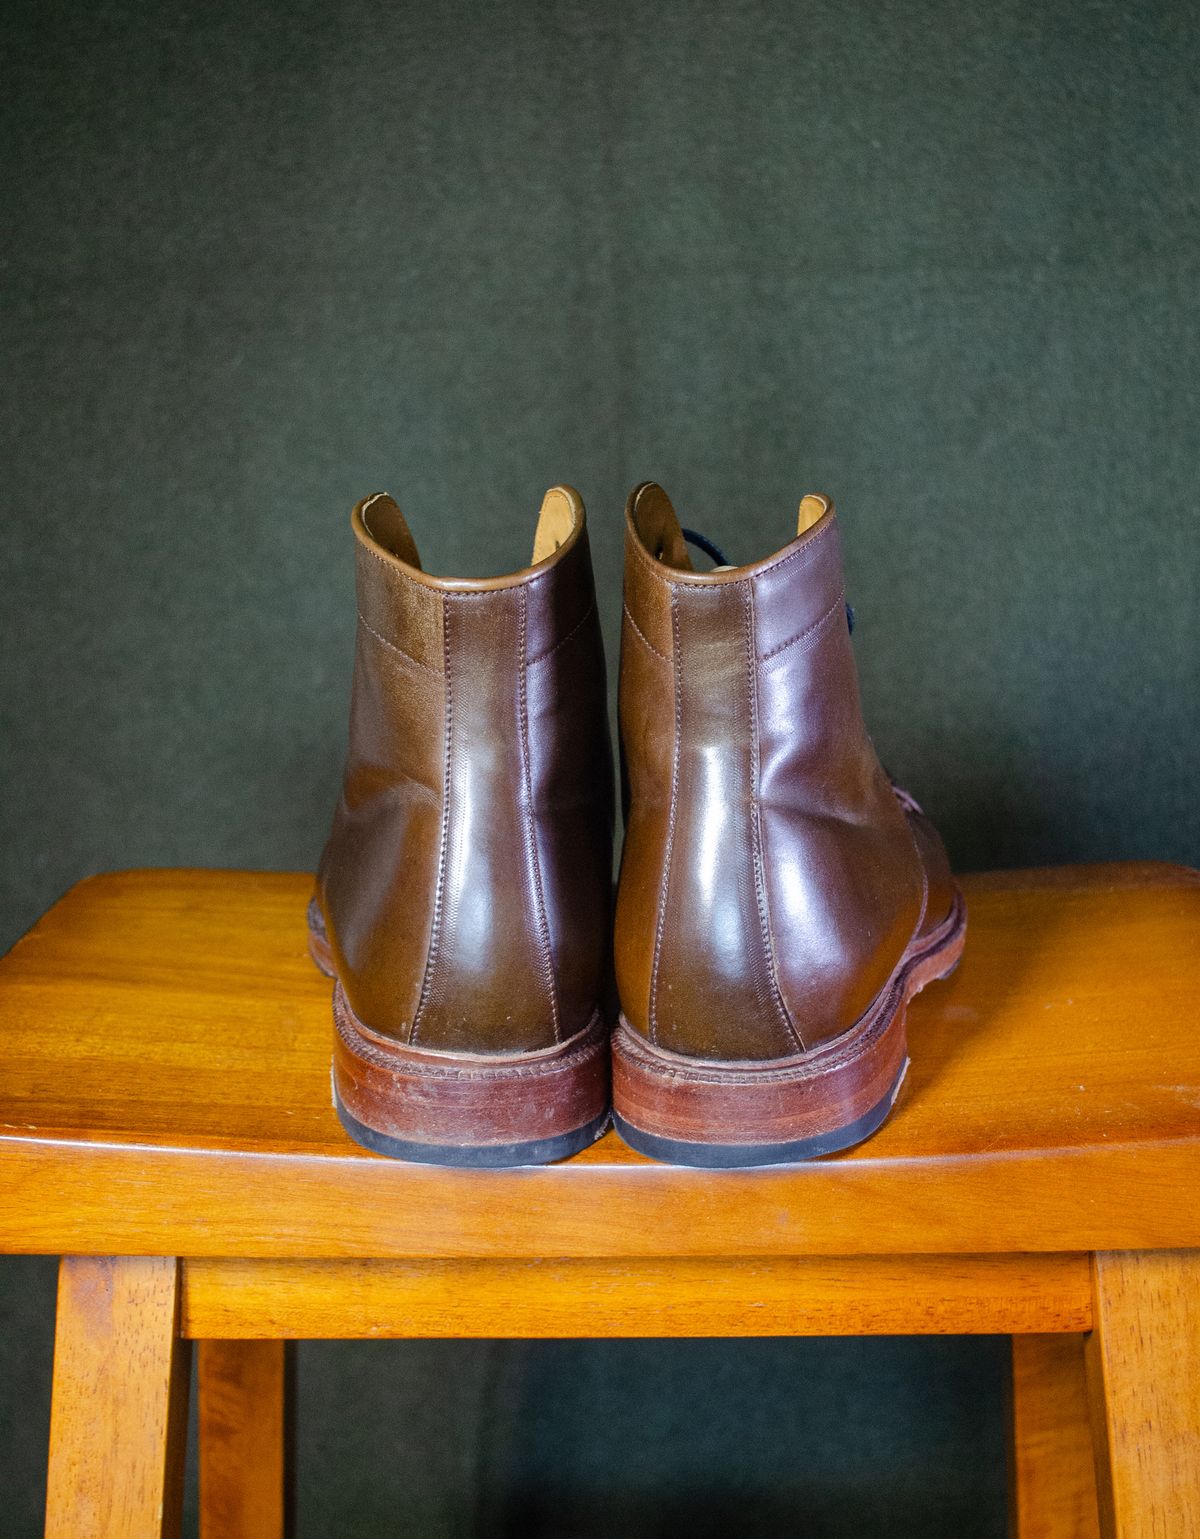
[756,840]
[578,626]
[530,831]
[838,603]
[392,647]
[665,890]
[435,937]
[642,637]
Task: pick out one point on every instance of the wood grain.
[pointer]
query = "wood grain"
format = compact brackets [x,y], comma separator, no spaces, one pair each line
[815,1296]
[245,1437]
[164,1086]
[118,1410]
[1144,1377]
[1052,1472]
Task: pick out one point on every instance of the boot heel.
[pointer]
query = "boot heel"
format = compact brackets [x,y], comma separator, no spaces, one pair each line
[775,1112]
[778,1111]
[469,1109]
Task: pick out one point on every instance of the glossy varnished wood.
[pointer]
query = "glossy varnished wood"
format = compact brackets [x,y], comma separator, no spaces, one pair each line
[1053,1482]
[1144,1377]
[164,1050]
[244,1408]
[118,1409]
[164,1086]
[763,1296]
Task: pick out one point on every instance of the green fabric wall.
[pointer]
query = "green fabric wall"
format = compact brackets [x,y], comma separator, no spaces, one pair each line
[939,260]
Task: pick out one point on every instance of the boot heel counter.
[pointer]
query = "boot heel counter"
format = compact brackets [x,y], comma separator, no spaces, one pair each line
[489,978]
[713,991]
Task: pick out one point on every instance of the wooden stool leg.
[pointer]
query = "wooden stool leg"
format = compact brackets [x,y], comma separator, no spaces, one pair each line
[244,1439]
[1144,1379]
[118,1405]
[1053,1481]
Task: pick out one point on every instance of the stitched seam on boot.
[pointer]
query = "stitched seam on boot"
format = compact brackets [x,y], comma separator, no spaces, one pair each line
[392,647]
[570,636]
[809,549]
[527,819]
[665,888]
[839,603]
[389,566]
[756,839]
[435,934]
[664,573]
[642,637]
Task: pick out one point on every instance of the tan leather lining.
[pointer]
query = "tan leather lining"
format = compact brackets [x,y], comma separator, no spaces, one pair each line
[813,509]
[384,522]
[556,521]
[560,520]
[658,528]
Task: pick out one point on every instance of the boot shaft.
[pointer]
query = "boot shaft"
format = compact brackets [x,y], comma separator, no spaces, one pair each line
[465,886]
[769,881]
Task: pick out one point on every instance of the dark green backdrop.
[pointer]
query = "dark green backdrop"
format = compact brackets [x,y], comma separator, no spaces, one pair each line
[937,259]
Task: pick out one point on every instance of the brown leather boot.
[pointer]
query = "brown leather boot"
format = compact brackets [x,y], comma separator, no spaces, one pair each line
[463,901]
[780,901]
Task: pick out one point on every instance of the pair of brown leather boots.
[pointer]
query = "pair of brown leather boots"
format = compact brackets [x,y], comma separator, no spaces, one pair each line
[779,899]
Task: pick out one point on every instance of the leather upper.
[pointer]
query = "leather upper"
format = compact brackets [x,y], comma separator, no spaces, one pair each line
[771,879]
[466,884]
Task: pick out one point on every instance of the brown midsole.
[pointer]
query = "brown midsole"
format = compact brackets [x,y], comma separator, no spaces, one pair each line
[421,1096]
[781,1100]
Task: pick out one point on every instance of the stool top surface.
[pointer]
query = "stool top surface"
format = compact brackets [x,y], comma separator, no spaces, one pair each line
[164,1087]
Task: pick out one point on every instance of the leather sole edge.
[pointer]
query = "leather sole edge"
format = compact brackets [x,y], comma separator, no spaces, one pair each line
[469,1109]
[712,1156]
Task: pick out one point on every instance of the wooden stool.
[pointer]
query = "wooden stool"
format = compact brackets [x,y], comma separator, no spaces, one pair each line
[167,1128]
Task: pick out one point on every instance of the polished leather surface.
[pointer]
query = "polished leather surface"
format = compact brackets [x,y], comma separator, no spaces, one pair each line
[772,877]
[466,883]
